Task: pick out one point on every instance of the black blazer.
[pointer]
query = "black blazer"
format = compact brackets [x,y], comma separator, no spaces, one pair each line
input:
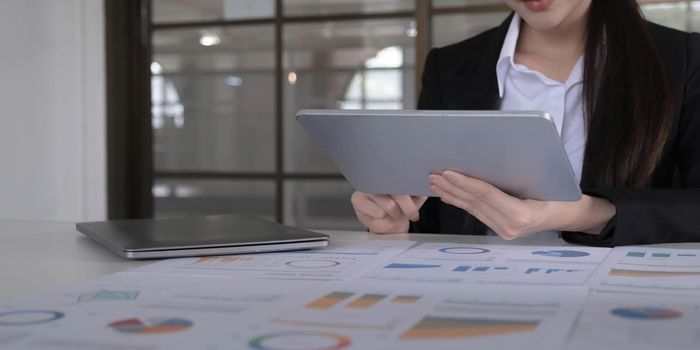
[462,76]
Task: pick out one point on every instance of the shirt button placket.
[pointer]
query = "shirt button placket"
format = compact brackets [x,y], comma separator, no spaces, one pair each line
[557,106]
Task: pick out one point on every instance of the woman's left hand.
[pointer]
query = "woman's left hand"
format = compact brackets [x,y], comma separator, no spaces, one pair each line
[511,217]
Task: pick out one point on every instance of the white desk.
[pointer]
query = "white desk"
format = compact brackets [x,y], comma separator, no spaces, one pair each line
[35,256]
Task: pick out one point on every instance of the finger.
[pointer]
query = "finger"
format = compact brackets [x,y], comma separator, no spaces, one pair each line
[466,200]
[408,207]
[386,226]
[419,200]
[454,200]
[505,226]
[486,218]
[519,216]
[469,201]
[389,205]
[483,192]
[368,221]
[365,206]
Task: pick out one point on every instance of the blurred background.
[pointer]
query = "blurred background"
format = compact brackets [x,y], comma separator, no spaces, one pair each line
[196,99]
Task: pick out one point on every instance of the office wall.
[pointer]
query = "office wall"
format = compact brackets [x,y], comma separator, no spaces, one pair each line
[52,110]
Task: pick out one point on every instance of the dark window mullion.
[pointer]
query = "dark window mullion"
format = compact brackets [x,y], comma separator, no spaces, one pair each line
[279,112]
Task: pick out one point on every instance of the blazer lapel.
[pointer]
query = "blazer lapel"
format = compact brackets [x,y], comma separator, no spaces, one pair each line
[475,86]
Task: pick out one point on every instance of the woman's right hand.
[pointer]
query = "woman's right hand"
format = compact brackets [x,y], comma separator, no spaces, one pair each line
[382,213]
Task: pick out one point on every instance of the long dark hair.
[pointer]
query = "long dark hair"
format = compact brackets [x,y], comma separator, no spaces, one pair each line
[627,96]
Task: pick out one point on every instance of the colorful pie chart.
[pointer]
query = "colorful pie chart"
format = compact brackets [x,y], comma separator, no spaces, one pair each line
[646,313]
[301,340]
[151,326]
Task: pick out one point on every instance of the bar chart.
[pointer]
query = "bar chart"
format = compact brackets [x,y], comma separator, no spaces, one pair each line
[443,327]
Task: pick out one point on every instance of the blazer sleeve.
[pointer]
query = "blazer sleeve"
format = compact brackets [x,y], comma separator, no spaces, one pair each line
[646,216]
[430,98]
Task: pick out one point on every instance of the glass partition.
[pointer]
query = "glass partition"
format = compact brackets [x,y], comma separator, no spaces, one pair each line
[228,77]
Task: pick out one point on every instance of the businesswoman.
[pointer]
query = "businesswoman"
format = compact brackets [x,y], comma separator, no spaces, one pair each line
[625,96]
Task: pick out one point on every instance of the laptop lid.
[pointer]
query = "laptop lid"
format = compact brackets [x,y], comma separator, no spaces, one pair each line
[200,235]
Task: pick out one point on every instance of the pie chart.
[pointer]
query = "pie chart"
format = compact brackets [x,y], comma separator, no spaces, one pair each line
[300,340]
[561,253]
[28,317]
[646,313]
[151,326]
[463,250]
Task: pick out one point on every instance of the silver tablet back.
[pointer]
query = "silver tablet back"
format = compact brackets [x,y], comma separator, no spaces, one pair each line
[393,152]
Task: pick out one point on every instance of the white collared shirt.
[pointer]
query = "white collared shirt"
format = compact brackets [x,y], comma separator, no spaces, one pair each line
[521,88]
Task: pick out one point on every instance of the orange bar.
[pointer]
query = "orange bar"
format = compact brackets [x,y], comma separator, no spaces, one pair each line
[204,259]
[328,301]
[366,301]
[457,332]
[405,299]
[445,328]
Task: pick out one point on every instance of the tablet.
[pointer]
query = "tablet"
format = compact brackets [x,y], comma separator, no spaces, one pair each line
[393,152]
[198,235]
